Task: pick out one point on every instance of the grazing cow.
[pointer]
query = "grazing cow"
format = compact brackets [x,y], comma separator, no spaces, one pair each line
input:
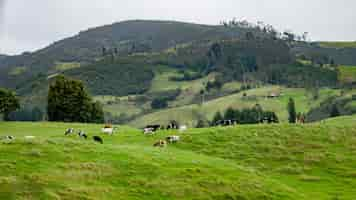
[69,131]
[173,139]
[160,143]
[30,137]
[109,131]
[183,128]
[148,131]
[153,127]
[82,134]
[229,122]
[173,125]
[8,137]
[98,139]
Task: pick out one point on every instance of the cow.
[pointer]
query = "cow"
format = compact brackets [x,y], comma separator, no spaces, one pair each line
[148,131]
[173,139]
[82,134]
[109,131]
[160,143]
[153,127]
[173,125]
[229,122]
[8,137]
[98,139]
[183,128]
[69,131]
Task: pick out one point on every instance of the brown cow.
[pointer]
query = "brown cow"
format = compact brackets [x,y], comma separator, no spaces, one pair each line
[160,143]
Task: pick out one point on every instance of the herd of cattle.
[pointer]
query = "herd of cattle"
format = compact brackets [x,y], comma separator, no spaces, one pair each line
[148,130]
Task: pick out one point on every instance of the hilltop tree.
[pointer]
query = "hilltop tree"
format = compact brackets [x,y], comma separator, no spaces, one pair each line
[291,111]
[69,102]
[8,102]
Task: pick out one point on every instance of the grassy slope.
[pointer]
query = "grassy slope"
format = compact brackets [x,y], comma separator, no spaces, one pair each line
[125,167]
[347,73]
[338,44]
[188,114]
[161,83]
[314,161]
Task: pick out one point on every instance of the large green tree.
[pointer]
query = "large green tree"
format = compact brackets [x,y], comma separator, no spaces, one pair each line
[291,111]
[8,102]
[68,101]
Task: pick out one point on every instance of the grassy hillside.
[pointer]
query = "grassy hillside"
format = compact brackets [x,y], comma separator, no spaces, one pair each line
[189,114]
[347,74]
[314,161]
[345,44]
[125,167]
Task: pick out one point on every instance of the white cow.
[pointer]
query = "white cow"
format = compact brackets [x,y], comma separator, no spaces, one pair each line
[109,131]
[148,131]
[183,128]
[173,139]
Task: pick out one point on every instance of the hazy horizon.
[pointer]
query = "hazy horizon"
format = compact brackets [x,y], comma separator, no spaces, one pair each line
[28,26]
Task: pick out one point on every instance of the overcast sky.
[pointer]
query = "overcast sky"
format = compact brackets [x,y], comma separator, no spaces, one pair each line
[27,25]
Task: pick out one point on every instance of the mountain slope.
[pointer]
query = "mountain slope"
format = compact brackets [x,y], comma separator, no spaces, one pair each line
[126,37]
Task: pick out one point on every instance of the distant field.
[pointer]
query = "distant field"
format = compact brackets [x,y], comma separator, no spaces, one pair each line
[162,81]
[120,105]
[338,44]
[17,71]
[188,114]
[274,162]
[347,73]
[63,66]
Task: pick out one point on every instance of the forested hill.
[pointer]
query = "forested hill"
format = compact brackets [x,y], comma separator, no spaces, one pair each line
[128,53]
[124,37]
[2,57]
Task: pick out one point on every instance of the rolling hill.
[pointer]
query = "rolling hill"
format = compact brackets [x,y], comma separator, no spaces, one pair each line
[130,64]
[314,161]
[189,114]
[126,37]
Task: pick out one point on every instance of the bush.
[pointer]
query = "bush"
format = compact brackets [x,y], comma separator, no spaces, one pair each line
[159,103]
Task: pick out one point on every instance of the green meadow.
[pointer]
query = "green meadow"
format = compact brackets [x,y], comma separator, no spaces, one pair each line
[312,161]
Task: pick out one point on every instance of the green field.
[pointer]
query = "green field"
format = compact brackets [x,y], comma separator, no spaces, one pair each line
[188,114]
[338,44]
[347,74]
[315,161]
[63,66]
[17,71]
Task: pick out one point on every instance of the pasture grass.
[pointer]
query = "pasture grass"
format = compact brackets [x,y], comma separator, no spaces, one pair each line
[347,74]
[189,114]
[313,161]
[338,45]
[17,71]
[64,66]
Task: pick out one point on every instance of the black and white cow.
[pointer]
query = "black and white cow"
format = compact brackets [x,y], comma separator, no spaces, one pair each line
[69,131]
[173,139]
[7,137]
[154,128]
[82,134]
